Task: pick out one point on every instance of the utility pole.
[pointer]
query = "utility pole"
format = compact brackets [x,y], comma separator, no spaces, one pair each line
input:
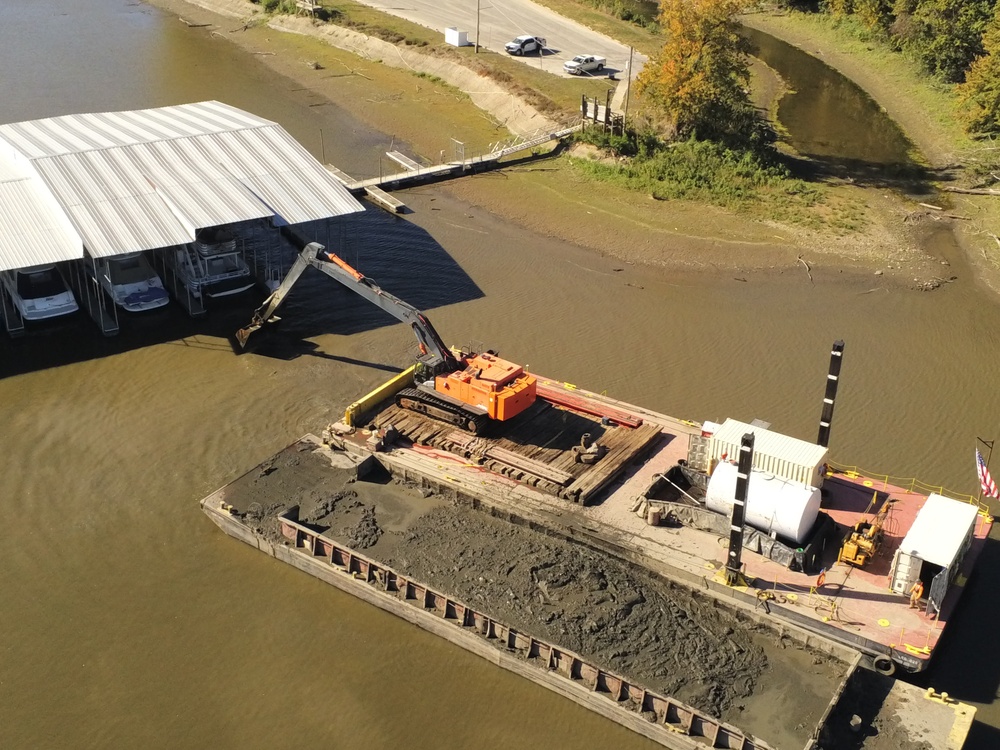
[628,85]
[478,3]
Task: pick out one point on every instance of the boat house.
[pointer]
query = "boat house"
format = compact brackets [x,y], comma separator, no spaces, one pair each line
[82,188]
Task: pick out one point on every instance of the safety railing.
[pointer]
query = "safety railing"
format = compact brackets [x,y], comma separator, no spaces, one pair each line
[909,484]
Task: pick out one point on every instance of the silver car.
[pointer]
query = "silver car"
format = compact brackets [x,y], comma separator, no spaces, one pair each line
[522,45]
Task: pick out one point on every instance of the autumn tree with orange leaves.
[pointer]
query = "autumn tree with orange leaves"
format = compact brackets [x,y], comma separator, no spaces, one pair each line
[698,81]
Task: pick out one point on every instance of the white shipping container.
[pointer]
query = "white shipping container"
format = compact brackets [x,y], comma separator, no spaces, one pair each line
[787,457]
[941,534]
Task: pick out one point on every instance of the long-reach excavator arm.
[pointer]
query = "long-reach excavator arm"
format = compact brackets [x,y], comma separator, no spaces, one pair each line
[332,265]
[466,390]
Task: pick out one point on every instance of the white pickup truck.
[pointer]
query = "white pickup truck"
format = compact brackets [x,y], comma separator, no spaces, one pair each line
[584,64]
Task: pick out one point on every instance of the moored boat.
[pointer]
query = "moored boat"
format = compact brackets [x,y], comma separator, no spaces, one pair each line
[39,292]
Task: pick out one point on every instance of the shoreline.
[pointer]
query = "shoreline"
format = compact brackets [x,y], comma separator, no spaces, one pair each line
[551,200]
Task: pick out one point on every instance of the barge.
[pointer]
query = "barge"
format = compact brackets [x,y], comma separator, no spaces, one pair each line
[532,474]
[836,560]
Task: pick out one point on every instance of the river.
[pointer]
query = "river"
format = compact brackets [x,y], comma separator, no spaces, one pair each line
[129,620]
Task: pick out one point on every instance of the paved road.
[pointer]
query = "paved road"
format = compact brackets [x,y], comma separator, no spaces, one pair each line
[502,20]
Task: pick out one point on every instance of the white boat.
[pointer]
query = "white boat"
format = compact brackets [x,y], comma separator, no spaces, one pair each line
[211,266]
[131,282]
[39,292]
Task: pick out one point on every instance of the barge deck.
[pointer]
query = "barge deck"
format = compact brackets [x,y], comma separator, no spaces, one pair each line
[853,606]
[535,473]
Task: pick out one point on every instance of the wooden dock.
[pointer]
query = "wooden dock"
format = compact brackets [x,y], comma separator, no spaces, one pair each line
[414,173]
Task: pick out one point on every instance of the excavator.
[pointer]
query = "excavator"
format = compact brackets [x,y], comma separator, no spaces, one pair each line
[464,389]
[862,544]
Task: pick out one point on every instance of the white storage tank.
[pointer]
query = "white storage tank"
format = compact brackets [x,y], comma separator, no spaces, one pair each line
[787,457]
[789,509]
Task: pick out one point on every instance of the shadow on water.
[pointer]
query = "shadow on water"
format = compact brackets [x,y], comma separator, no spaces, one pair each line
[399,256]
[967,663]
[838,129]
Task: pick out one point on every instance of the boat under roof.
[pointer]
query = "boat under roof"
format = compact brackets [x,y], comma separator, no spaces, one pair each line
[121,182]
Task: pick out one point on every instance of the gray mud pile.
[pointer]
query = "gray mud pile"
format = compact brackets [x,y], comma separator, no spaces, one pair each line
[623,619]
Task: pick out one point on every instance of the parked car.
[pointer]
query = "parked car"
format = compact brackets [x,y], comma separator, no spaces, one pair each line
[522,45]
[584,64]
[131,282]
[39,292]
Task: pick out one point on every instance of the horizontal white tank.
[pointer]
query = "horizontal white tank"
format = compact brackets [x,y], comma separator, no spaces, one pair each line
[773,504]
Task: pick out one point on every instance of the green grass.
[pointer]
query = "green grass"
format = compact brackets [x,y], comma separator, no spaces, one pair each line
[705,172]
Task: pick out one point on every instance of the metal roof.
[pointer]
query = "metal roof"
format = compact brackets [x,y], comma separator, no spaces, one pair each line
[117,182]
[940,530]
[768,443]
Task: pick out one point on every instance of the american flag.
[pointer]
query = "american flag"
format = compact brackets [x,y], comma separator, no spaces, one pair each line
[989,486]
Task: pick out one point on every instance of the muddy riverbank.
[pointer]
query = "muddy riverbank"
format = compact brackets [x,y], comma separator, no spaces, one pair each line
[931,125]
[663,635]
[554,199]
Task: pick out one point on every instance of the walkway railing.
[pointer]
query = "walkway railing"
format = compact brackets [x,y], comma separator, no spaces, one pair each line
[907,483]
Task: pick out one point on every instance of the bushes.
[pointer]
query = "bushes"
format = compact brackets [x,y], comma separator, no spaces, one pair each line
[704,171]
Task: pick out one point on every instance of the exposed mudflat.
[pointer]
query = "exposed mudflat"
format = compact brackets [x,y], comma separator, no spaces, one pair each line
[666,637]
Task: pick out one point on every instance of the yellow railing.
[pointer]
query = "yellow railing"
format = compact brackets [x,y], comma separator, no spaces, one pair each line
[384,391]
[907,483]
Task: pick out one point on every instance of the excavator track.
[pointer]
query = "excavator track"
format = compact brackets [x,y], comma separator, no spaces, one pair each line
[422,402]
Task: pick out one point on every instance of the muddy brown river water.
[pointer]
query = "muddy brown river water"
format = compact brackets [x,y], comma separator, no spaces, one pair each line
[129,620]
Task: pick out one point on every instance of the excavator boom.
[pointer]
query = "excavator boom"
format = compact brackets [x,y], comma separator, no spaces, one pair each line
[466,390]
[315,255]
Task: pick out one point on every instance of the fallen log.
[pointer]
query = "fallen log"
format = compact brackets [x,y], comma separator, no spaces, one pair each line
[971,191]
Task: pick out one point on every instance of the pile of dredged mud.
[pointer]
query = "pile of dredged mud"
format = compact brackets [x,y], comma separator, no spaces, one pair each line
[624,619]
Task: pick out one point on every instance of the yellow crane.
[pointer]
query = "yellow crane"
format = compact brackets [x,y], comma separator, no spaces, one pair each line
[862,544]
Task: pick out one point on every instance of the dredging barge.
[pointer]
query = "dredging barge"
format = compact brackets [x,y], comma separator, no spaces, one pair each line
[489,476]
[635,486]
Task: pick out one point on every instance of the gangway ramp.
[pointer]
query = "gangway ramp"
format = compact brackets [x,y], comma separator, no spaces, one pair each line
[375,187]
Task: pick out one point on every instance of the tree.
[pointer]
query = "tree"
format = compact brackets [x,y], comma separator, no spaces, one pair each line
[698,81]
[979,96]
[947,34]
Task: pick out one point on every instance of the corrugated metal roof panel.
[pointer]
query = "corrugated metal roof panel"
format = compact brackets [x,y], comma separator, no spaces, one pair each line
[778,454]
[146,179]
[33,230]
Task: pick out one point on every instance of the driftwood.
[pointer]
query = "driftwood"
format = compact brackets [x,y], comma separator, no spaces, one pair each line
[808,270]
[971,191]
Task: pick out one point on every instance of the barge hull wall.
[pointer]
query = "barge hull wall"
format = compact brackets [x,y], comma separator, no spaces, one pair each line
[696,730]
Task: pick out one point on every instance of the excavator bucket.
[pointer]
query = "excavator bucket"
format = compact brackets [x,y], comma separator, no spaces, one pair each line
[244,333]
[255,325]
